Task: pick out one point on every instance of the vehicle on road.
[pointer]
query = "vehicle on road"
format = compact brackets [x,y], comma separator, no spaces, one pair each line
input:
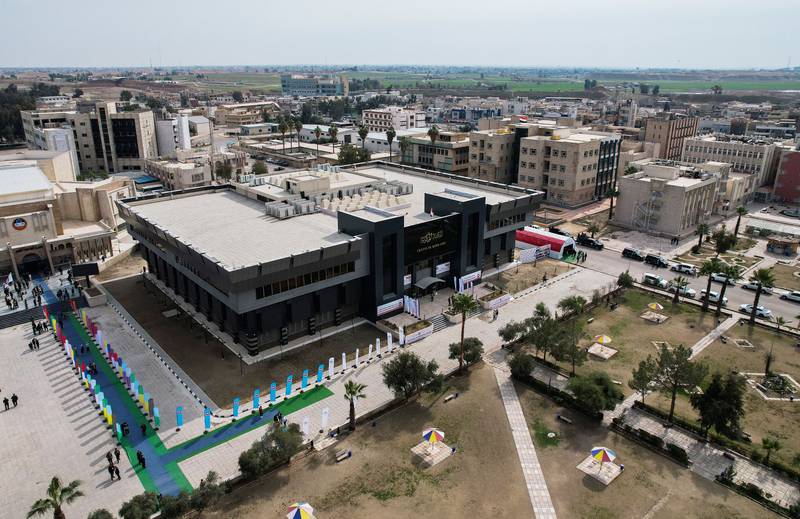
[685,268]
[654,280]
[718,277]
[587,241]
[713,297]
[754,286]
[686,291]
[794,296]
[764,313]
[634,254]
[656,261]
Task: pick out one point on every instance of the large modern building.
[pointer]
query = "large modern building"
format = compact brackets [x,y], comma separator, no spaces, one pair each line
[314,86]
[397,117]
[752,155]
[288,254]
[669,130]
[105,140]
[245,113]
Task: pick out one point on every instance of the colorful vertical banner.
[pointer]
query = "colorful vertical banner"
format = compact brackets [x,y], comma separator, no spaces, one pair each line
[236,408]
[288,385]
[156,418]
[320,372]
[304,383]
[256,399]
[179,416]
[330,368]
[206,418]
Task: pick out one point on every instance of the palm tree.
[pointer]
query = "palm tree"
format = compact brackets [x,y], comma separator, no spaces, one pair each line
[611,193]
[333,131]
[702,230]
[780,322]
[283,128]
[363,131]
[770,445]
[353,391]
[740,211]
[404,144]
[708,268]
[762,278]
[57,496]
[298,126]
[433,133]
[317,135]
[680,284]
[593,228]
[390,135]
[463,304]
[732,273]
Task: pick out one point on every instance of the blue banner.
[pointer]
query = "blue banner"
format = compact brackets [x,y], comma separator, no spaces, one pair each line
[236,407]
[207,418]
[256,399]
[179,416]
[272,388]
[305,379]
[288,385]
[320,371]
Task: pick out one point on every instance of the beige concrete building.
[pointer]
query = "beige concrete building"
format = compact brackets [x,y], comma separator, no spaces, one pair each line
[175,174]
[755,156]
[397,117]
[244,113]
[491,155]
[669,131]
[634,151]
[57,166]
[666,198]
[450,152]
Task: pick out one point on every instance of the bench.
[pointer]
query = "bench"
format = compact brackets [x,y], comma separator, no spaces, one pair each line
[343,455]
[451,396]
[563,419]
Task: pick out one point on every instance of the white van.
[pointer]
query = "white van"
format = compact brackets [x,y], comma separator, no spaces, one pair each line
[654,280]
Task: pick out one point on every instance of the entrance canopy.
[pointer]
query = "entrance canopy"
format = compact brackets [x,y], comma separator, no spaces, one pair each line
[426,282]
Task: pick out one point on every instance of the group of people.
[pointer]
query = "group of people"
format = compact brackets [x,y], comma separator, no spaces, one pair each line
[16,292]
[113,468]
[279,419]
[14,401]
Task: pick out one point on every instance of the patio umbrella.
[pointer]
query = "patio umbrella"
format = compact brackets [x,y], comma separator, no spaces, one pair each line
[602,339]
[300,511]
[603,454]
[432,435]
[655,306]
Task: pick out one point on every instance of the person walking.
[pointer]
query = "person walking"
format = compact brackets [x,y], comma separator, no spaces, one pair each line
[5,403]
[143,428]
[116,472]
[110,469]
[109,458]
[116,454]
[14,399]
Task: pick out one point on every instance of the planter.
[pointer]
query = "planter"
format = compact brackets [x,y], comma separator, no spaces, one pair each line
[419,331]
[94,297]
[453,318]
[495,300]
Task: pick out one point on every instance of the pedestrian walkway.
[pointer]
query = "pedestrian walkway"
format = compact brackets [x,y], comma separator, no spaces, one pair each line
[534,477]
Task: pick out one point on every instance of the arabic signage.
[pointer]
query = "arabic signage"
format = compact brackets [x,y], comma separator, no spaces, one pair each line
[389,307]
[429,239]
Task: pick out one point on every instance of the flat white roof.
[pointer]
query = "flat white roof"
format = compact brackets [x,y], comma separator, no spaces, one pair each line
[22,178]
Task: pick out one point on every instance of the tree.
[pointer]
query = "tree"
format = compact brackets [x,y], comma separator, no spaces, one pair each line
[762,278]
[433,134]
[237,96]
[407,374]
[125,95]
[740,211]
[644,88]
[175,506]
[733,273]
[78,92]
[390,135]
[140,507]
[630,170]
[283,127]
[721,405]
[625,280]
[521,364]
[468,352]
[405,144]
[770,444]
[656,90]
[317,135]
[680,283]
[207,494]
[723,241]
[100,513]
[702,230]
[716,90]
[676,370]
[349,154]
[596,392]
[57,496]
[259,168]
[708,268]
[539,330]
[573,305]
[223,170]
[298,127]
[363,132]
[769,358]
[593,228]
[611,193]
[352,392]
[333,132]
[277,446]
[463,304]
[642,377]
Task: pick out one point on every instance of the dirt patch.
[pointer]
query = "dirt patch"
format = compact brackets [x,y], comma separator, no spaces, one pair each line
[201,357]
[650,483]
[127,267]
[786,276]
[519,278]
[483,479]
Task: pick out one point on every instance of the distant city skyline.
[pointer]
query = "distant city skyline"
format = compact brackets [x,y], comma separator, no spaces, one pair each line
[680,34]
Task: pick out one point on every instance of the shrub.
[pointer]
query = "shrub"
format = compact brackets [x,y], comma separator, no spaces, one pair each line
[753,491]
[727,475]
[650,438]
[678,453]
[174,506]
[140,507]
[207,493]
[100,514]
[276,447]
[473,349]
[521,365]
[757,456]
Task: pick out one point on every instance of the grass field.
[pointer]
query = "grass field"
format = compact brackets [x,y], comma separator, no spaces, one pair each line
[227,81]
[785,276]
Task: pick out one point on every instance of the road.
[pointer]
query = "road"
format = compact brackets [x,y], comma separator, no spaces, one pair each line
[611,262]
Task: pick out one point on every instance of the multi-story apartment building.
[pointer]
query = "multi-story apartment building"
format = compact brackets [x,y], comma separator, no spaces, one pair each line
[397,117]
[105,140]
[314,86]
[492,156]
[244,113]
[670,130]
[449,153]
[573,167]
[751,155]
[787,179]
[175,174]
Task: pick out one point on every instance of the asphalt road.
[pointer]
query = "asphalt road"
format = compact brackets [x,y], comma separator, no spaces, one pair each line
[611,262]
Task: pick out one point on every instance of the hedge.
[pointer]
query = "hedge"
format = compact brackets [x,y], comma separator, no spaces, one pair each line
[560,397]
[678,453]
[651,439]
[670,451]
[755,493]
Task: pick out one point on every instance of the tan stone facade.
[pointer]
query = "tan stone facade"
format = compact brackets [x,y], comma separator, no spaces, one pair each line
[450,153]
[669,132]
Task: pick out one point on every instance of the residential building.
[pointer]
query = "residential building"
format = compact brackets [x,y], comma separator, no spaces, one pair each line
[260,129]
[751,155]
[492,155]
[634,151]
[173,135]
[238,114]
[449,153]
[287,255]
[666,198]
[314,86]
[397,117]
[105,140]
[175,174]
[787,179]
[670,130]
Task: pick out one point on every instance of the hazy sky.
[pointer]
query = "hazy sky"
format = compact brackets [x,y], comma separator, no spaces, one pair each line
[601,33]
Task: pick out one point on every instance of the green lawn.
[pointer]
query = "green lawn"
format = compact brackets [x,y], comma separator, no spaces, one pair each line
[705,86]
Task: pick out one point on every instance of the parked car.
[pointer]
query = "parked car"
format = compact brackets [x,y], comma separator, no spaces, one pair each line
[718,277]
[587,241]
[686,291]
[654,280]
[754,286]
[685,268]
[634,254]
[656,261]
[764,313]
[556,230]
[794,297]
[713,297]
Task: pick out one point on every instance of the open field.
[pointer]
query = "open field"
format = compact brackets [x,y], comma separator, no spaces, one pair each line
[229,81]
[224,378]
[786,276]
[525,276]
[381,480]
[762,418]
[633,337]
[651,486]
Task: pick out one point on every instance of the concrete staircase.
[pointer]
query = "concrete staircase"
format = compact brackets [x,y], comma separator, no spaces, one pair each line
[439,322]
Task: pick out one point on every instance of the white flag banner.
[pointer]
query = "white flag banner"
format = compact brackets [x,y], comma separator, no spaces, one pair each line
[305,425]
[326,412]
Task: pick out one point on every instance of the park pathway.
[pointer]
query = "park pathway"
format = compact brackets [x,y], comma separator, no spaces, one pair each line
[534,477]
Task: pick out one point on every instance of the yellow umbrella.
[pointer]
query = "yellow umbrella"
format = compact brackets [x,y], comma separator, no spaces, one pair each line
[655,306]
[602,339]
